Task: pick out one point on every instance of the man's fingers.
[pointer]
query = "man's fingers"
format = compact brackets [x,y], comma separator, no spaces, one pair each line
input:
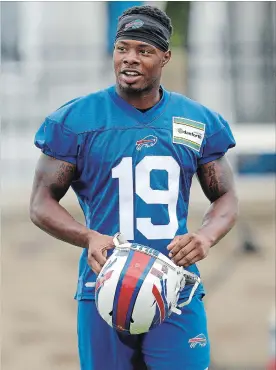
[99,256]
[173,243]
[194,260]
[95,266]
[189,259]
[182,252]
[176,247]
[109,246]
[178,242]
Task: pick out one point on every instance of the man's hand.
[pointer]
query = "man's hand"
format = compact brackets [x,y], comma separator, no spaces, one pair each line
[97,250]
[188,249]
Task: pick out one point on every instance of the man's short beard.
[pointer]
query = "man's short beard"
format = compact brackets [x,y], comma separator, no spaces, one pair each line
[137,91]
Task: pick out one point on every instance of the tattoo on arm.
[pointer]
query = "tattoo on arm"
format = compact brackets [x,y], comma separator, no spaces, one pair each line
[64,173]
[216,178]
[55,175]
[62,180]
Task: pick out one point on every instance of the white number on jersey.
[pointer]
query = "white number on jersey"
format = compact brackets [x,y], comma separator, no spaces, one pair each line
[124,173]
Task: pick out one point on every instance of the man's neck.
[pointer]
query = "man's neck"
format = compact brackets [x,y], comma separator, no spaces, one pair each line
[142,101]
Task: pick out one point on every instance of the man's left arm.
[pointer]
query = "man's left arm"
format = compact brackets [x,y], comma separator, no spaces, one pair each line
[217,181]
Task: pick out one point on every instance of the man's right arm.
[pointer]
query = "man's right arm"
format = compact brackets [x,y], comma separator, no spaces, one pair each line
[52,179]
[51,182]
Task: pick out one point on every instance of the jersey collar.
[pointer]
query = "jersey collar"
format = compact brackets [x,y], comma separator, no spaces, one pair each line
[146,117]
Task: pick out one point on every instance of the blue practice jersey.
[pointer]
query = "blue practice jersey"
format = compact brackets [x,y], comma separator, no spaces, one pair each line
[134,170]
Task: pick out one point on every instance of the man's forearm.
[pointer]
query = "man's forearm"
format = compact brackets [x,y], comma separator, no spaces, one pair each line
[220,217]
[52,218]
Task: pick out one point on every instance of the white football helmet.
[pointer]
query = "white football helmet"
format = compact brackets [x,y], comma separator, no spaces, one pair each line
[138,287]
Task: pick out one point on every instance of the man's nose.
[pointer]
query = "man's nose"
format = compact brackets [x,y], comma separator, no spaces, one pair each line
[131,57]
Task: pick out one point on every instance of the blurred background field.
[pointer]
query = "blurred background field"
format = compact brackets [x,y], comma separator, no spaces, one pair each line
[224,57]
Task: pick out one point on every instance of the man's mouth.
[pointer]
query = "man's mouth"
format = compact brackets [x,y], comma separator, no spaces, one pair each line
[130,77]
[130,71]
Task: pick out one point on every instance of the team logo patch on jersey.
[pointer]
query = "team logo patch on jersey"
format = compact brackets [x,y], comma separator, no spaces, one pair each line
[134,25]
[147,142]
[199,339]
[188,132]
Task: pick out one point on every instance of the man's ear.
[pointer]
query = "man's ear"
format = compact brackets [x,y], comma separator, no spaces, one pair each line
[166,58]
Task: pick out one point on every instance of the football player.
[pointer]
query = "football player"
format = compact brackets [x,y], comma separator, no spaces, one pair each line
[130,153]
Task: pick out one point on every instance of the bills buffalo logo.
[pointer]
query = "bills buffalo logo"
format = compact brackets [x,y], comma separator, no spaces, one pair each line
[199,339]
[102,280]
[103,277]
[134,25]
[161,308]
[147,142]
[109,264]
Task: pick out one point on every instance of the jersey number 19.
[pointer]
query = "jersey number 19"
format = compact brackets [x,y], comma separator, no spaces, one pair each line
[141,185]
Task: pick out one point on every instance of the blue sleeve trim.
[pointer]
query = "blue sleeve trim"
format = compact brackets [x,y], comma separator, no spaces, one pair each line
[211,158]
[217,145]
[71,160]
[57,141]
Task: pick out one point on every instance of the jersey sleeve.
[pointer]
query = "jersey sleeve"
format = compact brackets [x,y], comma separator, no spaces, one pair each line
[218,140]
[58,141]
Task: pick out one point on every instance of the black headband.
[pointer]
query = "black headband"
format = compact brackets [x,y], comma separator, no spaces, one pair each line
[141,27]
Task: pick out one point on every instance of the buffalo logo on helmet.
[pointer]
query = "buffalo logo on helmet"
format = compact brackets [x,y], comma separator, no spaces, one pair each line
[161,308]
[100,282]
[104,275]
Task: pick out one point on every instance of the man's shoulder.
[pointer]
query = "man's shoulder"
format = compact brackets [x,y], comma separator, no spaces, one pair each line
[75,113]
[195,111]
[193,104]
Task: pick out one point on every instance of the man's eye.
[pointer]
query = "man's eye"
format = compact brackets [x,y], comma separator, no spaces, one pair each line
[121,48]
[144,52]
